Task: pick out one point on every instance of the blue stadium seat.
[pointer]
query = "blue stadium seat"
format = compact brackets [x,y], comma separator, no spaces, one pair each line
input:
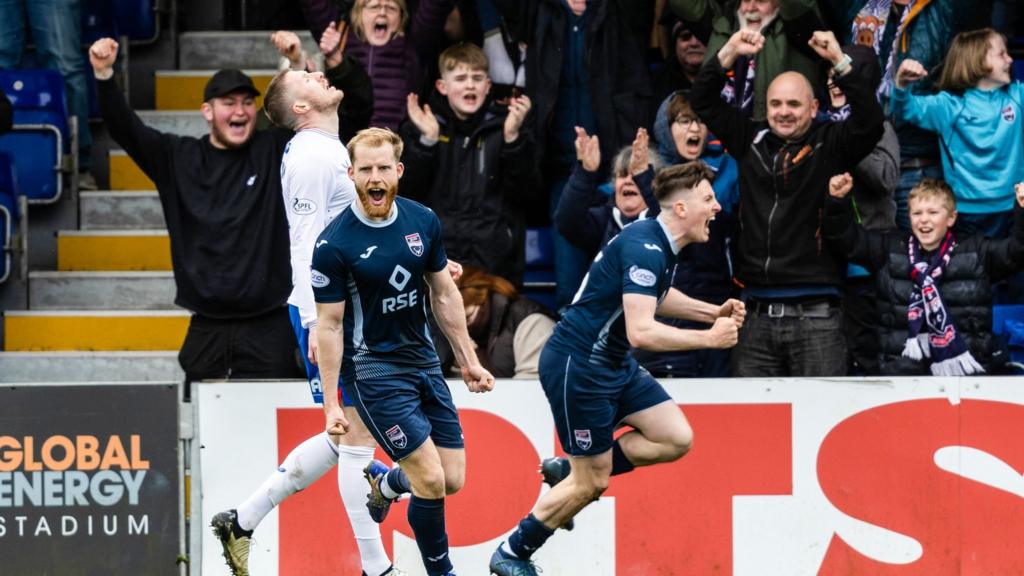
[41,135]
[539,277]
[1008,319]
[99,20]
[8,213]
[136,19]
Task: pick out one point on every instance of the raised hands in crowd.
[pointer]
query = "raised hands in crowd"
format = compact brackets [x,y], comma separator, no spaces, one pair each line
[423,118]
[332,43]
[742,43]
[518,108]
[639,156]
[289,45]
[588,150]
[910,71]
[825,44]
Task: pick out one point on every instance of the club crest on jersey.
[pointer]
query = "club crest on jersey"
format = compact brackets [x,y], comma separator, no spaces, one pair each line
[415,244]
[583,439]
[642,277]
[397,437]
[1009,114]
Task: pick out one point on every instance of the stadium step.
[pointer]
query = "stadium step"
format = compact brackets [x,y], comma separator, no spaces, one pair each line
[120,210]
[183,89]
[90,367]
[31,330]
[113,250]
[101,290]
[216,50]
[180,122]
[126,175]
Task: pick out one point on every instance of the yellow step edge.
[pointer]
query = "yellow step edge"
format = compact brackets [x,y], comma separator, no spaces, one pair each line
[126,175]
[104,251]
[184,91]
[100,332]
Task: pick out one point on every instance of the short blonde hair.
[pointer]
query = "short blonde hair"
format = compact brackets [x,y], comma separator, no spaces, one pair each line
[462,53]
[276,103]
[965,62]
[356,17]
[373,138]
[933,188]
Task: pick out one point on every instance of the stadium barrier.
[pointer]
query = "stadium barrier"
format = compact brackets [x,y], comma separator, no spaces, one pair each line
[89,479]
[787,477]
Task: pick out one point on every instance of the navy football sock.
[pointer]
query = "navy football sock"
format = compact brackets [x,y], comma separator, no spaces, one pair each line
[530,536]
[398,481]
[426,518]
[620,463]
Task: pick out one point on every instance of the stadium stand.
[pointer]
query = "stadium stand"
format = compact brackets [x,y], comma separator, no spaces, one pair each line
[42,133]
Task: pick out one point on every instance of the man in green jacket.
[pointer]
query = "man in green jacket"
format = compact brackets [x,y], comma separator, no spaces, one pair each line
[787,26]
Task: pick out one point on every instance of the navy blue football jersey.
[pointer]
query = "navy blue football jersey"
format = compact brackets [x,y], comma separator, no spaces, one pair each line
[637,261]
[377,268]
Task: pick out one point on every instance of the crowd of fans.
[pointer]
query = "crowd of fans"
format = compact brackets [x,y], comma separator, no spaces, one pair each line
[559,113]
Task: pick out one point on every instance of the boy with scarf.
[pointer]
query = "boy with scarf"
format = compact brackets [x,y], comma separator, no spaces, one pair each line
[934,289]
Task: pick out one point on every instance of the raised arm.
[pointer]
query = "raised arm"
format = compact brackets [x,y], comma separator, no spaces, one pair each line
[861,246]
[646,333]
[932,112]
[446,304]
[856,70]
[141,142]
[724,121]
[331,345]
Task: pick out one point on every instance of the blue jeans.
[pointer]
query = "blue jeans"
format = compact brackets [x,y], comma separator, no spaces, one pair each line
[909,177]
[571,263]
[995,225]
[56,31]
[790,346]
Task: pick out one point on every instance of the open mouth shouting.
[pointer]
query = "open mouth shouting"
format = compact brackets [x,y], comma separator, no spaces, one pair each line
[237,127]
[380,32]
[692,146]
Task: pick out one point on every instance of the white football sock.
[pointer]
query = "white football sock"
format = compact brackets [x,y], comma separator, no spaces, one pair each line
[303,466]
[354,490]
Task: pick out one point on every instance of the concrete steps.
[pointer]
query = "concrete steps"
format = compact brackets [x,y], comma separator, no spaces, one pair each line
[90,367]
[183,89]
[126,175]
[120,210]
[101,330]
[113,250]
[107,313]
[185,122]
[245,50]
[101,290]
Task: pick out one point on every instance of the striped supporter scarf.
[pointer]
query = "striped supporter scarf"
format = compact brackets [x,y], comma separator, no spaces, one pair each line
[931,332]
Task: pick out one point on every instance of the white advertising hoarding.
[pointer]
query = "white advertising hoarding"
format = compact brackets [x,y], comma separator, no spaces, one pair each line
[787,477]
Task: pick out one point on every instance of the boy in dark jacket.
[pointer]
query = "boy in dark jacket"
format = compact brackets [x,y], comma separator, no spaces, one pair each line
[934,289]
[469,160]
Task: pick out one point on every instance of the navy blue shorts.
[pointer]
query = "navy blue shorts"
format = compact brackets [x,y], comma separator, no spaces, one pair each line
[589,401]
[403,410]
[312,372]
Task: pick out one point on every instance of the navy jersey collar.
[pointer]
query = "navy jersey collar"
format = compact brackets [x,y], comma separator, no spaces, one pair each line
[668,236]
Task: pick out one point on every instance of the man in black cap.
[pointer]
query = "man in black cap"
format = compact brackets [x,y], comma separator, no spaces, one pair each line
[221,197]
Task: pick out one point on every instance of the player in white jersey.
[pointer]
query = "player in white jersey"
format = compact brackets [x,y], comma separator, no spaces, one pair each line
[316,188]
